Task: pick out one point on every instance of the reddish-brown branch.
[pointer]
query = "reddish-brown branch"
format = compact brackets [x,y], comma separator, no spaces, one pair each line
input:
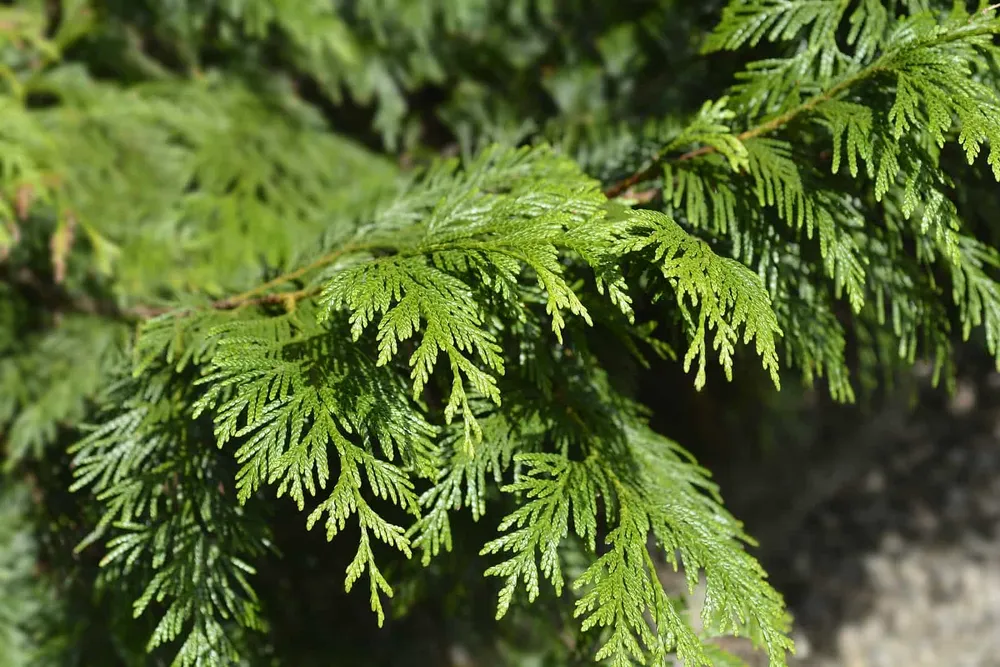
[618,189]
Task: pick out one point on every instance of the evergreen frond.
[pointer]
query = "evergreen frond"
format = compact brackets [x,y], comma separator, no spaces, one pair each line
[653,489]
[170,522]
[747,23]
[725,293]
[464,479]
[298,403]
[495,222]
[240,260]
[976,293]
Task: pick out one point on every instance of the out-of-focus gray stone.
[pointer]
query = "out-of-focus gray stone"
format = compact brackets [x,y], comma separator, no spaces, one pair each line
[892,558]
[931,607]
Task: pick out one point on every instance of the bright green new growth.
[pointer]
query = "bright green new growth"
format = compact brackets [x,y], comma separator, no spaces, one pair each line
[419,345]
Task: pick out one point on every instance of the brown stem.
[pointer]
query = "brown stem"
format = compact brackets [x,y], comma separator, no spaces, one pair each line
[619,188]
[254,295]
[257,296]
[616,189]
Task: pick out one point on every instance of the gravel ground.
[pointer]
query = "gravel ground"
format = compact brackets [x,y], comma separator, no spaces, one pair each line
[893,557]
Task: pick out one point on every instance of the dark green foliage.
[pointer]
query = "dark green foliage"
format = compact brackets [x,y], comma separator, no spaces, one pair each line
[242,260]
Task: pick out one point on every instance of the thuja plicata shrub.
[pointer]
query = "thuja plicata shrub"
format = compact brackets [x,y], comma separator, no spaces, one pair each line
[391,272]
